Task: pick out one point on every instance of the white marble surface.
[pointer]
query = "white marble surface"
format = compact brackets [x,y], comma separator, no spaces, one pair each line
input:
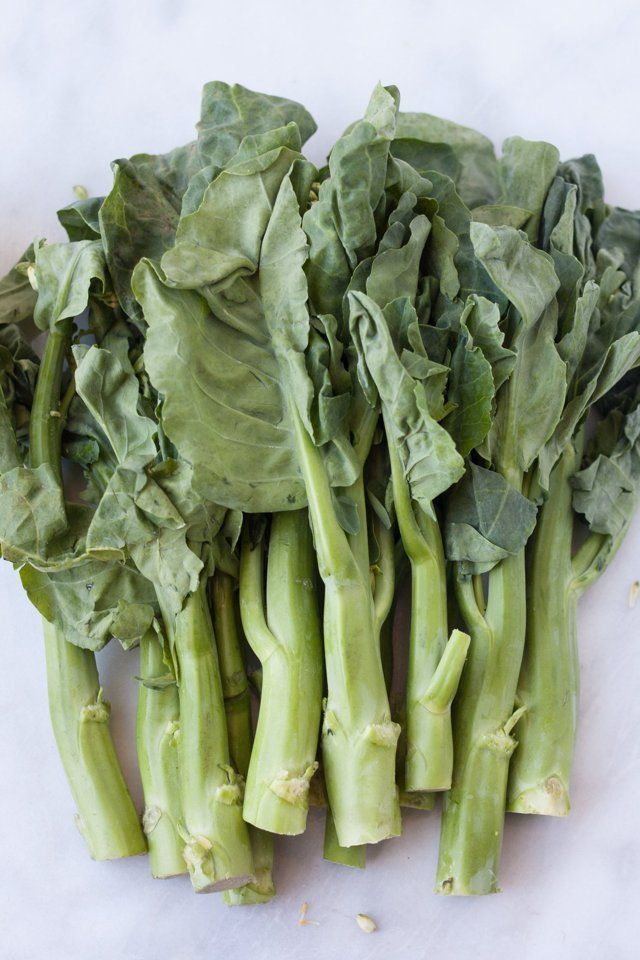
[84,82]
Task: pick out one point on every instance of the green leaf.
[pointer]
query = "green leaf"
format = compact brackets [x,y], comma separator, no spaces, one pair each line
[526,171]
[472,389]
[65,275]
[487,520]
[139,216]
[524,274]
[606,491]
[136,518]
[110,392]
[81,219]
[17,296]
[224,406]
[341,225]
[501,215]
[92,601]
[531,403]
[220,241]
[230,113]
[477,177]
[32,512]
[427,453]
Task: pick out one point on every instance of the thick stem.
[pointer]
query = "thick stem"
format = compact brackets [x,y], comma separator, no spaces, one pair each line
[216,841]
[237,705]
[358,737]
[106,813]
[235,685]
[156,734]
[549,679]
[429,759]
[289,646]
[474,808]
[332,851]
[80,717]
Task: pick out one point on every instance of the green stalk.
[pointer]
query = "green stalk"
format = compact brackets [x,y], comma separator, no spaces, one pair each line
[288,643]
[332,851]
[382,577]
[216,841]
[549,678]
[44,428]
[358,736]
[79,715]
[474,808]
[237,705]
[156,735]
[549,686]
[433,663]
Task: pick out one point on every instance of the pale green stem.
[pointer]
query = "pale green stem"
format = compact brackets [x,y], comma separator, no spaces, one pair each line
[540,773]
[287,640]
[347,856]
[216,840]
[156,734]
[237,704]
[80,717]
[358,737]
[474,808]
[429,759]
[549,678]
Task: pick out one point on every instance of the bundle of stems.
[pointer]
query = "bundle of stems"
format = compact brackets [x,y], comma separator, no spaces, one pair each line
[272,401]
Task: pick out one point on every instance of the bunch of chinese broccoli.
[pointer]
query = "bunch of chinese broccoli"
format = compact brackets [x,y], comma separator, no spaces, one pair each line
[248,400]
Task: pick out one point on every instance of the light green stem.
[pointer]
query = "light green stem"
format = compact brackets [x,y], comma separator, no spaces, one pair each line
[549,679]
[237,705]
[235,686]
[289,646]
[106,813]
[332,851]
[429,759]
[44,428]
[358,737]
[216,840]
[156,733]
[80,717]
[474,808]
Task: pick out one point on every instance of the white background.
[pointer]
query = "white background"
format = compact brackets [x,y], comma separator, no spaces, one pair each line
[83,83]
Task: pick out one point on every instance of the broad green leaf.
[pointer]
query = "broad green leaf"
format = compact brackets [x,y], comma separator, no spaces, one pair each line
[110,392]
[136,518]
[89,601]
[477,179]
[220,241]
[526,171]
[32,512]
[224,406]
[230,113]
[139,216]
[65,275]
[524,274]
[487,520]
[395,270]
